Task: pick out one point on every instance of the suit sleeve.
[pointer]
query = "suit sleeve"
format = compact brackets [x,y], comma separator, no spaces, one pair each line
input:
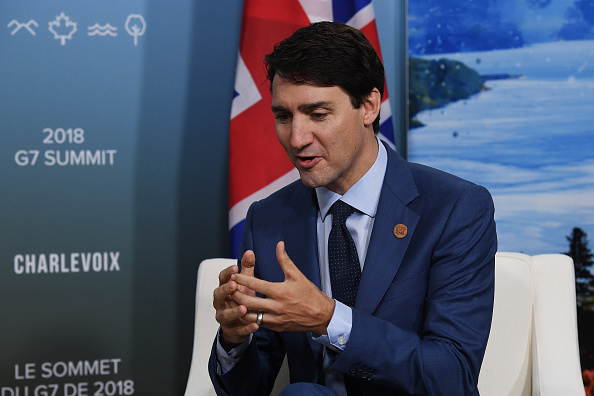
[444,355]
[256,371]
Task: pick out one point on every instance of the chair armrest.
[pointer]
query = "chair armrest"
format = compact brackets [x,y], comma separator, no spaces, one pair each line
[205,326]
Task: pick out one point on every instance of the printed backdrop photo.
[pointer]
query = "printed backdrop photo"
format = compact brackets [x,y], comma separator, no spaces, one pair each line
[502,94]
[526,131]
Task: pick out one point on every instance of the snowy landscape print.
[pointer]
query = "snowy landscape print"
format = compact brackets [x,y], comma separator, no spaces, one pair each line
[529,136]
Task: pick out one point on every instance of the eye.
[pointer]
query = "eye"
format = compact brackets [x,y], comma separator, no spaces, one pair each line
[318,115]
[281,117]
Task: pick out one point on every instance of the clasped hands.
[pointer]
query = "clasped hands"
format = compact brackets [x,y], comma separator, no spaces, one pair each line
[295,304]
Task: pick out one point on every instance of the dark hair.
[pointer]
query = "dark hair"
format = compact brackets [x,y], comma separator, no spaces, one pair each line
[329,54]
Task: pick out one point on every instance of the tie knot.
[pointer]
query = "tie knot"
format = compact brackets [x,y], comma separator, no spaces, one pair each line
[340,211]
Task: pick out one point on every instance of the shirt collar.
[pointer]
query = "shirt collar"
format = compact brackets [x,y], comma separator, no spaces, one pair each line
[364,194]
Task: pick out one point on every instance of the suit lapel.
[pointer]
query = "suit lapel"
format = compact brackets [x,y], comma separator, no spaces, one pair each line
[301,241]
[299,227]
[386,251]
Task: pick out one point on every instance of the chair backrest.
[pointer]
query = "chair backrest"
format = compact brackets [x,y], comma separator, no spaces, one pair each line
[532,348]
[506,368]
[555,352]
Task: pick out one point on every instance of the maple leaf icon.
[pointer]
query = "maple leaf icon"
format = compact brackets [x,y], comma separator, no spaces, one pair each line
[62,28]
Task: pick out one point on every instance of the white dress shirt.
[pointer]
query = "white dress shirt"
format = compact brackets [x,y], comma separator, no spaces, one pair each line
[364,197]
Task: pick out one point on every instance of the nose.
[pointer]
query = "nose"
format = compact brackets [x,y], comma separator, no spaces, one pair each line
[301,134]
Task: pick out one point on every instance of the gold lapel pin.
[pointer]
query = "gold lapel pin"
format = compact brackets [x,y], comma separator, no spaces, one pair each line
[400,231]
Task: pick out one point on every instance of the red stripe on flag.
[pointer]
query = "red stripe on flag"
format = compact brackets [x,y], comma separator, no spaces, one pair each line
[256,157]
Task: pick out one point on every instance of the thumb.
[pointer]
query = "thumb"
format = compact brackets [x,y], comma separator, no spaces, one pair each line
[285,262]
[248,262]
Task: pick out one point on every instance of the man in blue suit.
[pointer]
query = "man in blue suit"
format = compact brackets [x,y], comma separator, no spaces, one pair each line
[422,241]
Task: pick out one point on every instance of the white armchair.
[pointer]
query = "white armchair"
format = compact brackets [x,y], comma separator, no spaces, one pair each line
[532,348]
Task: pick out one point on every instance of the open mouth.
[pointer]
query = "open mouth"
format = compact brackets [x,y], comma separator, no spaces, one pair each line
[307,162]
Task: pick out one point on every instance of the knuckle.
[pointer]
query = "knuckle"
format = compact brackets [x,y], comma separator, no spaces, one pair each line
[217,294]
[280,311]
[222,276]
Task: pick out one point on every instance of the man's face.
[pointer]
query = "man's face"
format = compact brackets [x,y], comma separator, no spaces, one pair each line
[330,143]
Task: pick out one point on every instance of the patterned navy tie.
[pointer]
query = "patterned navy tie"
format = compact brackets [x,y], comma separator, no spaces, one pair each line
[345,271]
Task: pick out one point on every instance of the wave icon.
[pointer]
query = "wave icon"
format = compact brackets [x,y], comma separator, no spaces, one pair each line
[104,30]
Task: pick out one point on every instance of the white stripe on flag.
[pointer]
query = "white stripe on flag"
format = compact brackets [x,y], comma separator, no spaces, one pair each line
[388,141]
[247,91]
[238,212]
[317,10]
[385,115]
[362,18]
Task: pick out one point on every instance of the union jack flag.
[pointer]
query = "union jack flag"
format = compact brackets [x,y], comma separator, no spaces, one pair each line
[258,165]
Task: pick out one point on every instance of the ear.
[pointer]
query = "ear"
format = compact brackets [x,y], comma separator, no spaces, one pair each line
[371,105]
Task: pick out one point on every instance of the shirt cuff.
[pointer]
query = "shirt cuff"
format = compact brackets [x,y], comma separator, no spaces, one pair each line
[339,329]
[226,360]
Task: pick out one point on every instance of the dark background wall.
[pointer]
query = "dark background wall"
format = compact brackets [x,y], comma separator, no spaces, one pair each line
[157,210]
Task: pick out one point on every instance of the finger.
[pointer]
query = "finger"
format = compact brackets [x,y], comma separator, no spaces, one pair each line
[225,274]
[227,316]
[240,330]
[254,304]
[248,262]
[287,265]
[238,333]
[221,294]
[254,284]
[237,318]
[237,296]
[235,323]
[230,303]
[249,299]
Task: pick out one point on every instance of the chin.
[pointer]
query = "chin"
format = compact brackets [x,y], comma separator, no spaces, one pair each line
[315,178]
[308,181]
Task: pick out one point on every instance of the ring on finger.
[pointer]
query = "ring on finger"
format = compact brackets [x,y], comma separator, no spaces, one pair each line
[260,318]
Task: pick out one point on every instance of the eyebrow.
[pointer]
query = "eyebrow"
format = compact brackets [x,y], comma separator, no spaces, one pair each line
[277,109]
[304,107]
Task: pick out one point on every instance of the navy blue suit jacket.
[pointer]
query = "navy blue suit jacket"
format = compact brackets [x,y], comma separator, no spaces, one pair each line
[424,305]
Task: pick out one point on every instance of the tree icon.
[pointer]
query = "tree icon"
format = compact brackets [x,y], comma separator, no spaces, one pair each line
[62,28]
[135,26]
